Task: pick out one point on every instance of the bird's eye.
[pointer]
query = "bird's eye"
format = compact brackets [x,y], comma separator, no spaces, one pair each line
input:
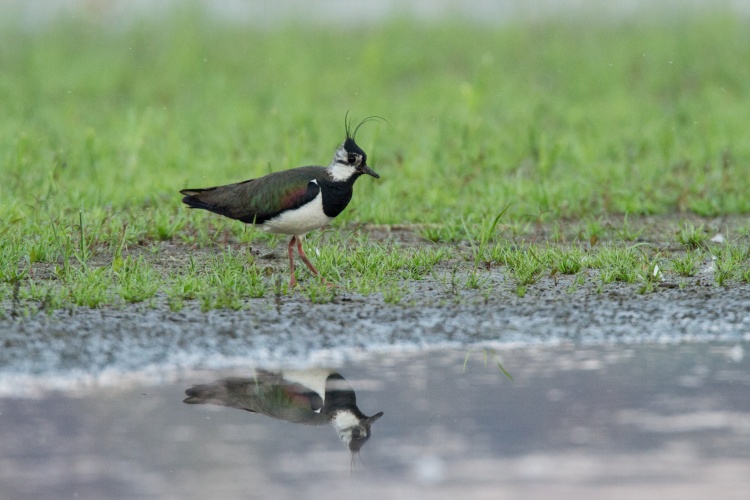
[352,158]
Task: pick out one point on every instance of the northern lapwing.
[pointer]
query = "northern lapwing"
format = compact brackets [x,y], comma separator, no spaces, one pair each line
[292,201]
[314,397]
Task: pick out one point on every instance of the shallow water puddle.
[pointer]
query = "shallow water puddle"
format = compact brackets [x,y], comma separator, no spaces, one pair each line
[617,421]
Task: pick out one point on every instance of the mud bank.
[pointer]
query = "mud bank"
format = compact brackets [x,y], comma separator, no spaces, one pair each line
[86,344]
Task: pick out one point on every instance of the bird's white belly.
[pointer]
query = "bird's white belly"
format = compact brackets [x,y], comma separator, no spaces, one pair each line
[301,220]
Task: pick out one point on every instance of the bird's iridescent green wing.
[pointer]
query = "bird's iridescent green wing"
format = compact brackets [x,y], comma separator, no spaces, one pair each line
[258,200]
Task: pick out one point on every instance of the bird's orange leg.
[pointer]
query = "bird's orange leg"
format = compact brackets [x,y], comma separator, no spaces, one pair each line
[304,257]
[293,280]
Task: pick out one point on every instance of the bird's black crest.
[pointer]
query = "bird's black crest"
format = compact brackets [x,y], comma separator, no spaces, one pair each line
[352,147]
[351,130]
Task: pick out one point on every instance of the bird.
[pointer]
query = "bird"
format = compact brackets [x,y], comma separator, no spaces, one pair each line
[315,396]
[292,202]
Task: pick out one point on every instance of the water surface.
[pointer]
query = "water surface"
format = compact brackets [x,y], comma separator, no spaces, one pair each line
[613,421]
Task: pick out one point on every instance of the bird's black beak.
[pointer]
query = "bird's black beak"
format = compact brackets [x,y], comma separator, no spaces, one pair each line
[371,420]
[367,170]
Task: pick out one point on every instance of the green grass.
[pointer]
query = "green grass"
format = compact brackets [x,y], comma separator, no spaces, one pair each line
[687,265]
[692,237]
[565,123]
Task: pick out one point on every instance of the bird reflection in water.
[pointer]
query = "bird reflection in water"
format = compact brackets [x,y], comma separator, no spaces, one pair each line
[313,397]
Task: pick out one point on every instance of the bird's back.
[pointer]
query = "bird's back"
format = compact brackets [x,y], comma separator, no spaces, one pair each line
[257,200]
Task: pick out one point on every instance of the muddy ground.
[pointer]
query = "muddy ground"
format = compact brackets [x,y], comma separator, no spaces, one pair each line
[289,330]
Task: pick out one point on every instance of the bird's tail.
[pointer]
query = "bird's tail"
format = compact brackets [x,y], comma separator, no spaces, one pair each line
[193,198]
[206,394]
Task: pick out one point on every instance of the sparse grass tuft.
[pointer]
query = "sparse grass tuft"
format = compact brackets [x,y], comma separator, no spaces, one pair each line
[627,232]
[692,237]
[363,266]
[619,264]
[137,279]
[688,264]
[730,259]
[91,287]
[569,261]
[525,264]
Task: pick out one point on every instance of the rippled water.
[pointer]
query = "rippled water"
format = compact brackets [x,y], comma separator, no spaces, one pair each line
[645,421]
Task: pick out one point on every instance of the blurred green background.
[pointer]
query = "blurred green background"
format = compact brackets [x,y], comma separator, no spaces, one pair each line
[575,116]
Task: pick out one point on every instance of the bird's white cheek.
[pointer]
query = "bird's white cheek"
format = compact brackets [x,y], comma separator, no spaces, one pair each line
[340,172]
[345,420]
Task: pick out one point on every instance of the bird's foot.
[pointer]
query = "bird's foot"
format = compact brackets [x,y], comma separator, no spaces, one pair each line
[328,284]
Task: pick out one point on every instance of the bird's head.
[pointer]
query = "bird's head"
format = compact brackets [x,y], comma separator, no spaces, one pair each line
[349,159]
[354,428]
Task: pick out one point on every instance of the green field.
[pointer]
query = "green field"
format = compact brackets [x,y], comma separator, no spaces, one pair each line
[571,124]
